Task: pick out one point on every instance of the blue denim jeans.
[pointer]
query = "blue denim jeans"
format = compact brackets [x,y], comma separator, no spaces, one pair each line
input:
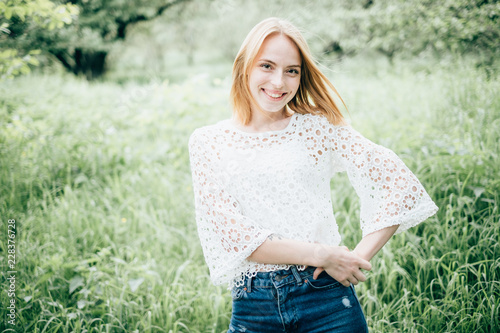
[291,301]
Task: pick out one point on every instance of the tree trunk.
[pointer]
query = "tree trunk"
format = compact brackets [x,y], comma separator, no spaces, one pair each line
[92,64]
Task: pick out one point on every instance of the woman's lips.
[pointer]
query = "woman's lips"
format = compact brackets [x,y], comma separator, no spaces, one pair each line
[274,95]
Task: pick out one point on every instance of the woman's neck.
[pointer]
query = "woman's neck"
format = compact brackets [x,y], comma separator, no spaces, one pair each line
[270,121]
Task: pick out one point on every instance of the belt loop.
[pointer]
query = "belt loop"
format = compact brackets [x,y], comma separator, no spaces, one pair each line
[249,284]
[296,274]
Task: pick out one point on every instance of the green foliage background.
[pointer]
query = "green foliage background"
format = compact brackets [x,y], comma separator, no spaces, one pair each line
[96,174]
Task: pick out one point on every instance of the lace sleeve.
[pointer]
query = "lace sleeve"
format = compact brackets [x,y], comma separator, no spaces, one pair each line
[389,192]
[227,236]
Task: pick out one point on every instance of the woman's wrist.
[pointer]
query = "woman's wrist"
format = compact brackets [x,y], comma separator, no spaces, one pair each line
[361,254]
[324,254]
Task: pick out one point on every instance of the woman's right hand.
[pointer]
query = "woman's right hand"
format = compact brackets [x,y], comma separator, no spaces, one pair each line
[341,264]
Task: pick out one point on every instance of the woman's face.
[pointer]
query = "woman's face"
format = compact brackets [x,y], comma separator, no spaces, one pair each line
[275,74]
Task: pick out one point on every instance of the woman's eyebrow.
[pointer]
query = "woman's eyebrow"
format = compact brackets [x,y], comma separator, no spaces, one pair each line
[273,63]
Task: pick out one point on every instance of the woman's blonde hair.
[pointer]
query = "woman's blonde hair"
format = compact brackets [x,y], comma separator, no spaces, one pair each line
[315,93]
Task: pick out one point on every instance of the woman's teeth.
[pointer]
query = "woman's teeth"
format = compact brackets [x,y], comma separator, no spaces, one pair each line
[275,95]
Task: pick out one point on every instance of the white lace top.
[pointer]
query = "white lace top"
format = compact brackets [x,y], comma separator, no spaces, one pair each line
[250,185]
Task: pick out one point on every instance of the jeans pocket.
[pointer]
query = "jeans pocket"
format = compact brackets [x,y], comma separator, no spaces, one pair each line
[324,281]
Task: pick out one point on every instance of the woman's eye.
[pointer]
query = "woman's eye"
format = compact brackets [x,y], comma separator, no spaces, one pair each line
[266,66]
[293,71]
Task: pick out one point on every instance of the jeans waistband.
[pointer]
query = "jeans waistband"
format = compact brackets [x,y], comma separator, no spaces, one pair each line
[279,278]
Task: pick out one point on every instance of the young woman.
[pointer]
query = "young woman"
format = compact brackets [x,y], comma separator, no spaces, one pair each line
[261,182]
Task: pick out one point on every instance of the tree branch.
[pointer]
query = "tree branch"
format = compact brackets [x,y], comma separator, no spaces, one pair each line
[122,25]
[61,57]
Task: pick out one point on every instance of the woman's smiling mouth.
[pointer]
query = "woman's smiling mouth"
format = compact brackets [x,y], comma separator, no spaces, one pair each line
[274,95]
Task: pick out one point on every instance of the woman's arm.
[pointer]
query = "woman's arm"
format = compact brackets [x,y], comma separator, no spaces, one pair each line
[337,261]
[368,247]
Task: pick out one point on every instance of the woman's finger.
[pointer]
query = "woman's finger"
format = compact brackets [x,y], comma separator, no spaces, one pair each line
[364,264]
[360,276]
[317,272]
[345,283]
[353,280]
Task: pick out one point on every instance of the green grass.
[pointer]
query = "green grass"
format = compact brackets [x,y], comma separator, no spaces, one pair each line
[97,177]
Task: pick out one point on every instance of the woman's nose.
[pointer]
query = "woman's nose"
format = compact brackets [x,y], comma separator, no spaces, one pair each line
[277,79]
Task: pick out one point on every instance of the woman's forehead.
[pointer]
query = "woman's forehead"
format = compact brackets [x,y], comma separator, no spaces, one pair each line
[279,48]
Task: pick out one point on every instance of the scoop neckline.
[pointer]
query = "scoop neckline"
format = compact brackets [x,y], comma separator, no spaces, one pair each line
[288,126]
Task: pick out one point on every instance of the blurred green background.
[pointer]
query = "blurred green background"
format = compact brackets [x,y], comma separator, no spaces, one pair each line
[97,102]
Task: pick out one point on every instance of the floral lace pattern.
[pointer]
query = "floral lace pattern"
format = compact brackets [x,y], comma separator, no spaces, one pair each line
[248,186]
